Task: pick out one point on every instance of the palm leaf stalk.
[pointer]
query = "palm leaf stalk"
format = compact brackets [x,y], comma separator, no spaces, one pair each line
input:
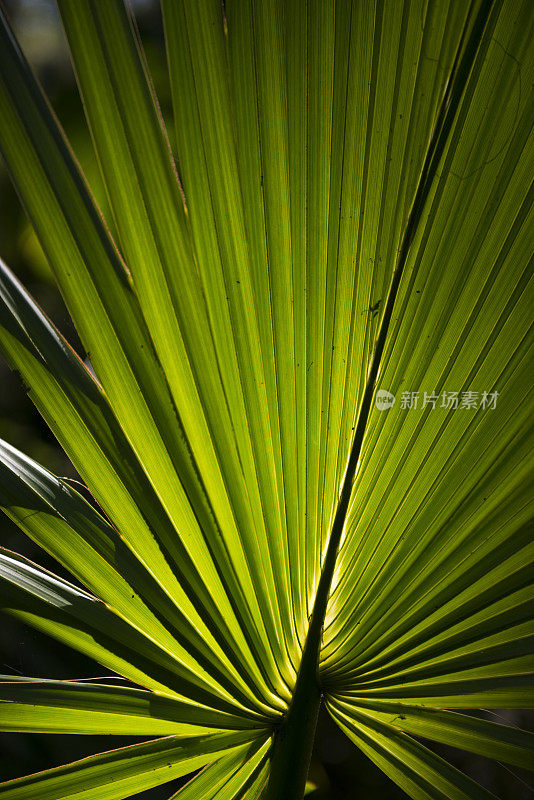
[352,213]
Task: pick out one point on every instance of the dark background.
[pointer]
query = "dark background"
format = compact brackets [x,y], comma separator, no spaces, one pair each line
[339,770]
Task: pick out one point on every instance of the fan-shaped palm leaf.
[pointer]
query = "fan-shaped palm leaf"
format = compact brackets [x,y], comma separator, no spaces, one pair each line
[353,213]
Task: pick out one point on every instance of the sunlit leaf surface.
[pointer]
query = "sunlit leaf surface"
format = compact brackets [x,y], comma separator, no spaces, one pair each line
[310,345]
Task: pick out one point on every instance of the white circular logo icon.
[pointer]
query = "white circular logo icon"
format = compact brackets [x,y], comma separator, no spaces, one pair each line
[384,400]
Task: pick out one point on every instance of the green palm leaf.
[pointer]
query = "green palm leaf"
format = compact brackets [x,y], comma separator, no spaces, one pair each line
[346,208]
[414,767]
[70,707]
[121,772]
[230,778]
[478,736]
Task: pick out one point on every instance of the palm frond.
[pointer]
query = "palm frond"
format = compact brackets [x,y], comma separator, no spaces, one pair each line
[307,423]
